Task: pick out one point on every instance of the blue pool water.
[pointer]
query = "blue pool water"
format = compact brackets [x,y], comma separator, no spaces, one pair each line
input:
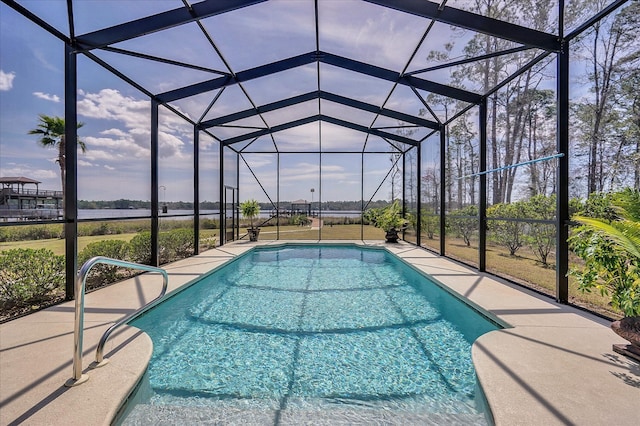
[311,334]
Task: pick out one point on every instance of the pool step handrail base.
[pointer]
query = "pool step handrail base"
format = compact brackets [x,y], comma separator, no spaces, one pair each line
[98,364]
[75,382]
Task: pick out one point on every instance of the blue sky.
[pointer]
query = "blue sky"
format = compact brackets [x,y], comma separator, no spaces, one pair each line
[116,115]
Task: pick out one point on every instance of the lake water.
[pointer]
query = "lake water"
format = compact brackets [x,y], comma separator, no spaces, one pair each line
[185,214]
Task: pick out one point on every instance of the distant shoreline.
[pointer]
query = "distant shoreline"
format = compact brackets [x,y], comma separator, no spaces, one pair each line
[185,213]
[124,204]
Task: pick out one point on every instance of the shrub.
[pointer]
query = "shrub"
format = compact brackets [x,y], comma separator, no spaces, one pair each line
[599,205]
[299,220]
[209,224]
[168,225]
[32,232]
[139,248]
[610,248]
[102,274]
[104,228]
[101,228]
[464,222]
[175,245]
[369,216]
[28,276]
[207,242]
[111,227]
[607,269]
[542,236]
[508,233]
[430,224]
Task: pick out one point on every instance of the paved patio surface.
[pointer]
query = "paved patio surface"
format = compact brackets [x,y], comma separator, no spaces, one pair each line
[554,365]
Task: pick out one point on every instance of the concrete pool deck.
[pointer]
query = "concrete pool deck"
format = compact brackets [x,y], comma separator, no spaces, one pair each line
[554,366]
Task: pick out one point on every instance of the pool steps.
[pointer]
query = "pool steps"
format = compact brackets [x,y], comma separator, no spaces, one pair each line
[147,414]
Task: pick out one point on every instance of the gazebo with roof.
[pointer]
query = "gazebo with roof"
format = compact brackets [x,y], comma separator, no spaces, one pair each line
[18,202]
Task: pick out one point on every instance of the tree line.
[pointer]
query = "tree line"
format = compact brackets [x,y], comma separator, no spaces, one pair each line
[521,116]
[354,205]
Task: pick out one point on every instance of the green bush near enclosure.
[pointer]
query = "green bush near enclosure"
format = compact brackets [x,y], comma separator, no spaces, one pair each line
[610,249]
[176,245]
[510,234]
[542,236]
[464,223]
[28,276]
[524,223]
[209,224]
[31,232]
[139,248]
[102,273]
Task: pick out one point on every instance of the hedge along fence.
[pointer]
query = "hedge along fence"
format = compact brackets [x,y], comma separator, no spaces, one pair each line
[102,274]
[463,223]
[174,245]
[29,277]
[525,223]
[29,232]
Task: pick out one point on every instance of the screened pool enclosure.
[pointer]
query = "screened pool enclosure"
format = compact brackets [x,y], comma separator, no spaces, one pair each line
[451,108]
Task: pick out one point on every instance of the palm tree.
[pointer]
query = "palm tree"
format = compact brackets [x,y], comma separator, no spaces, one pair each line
[624,233]
[52,134]
[611,253]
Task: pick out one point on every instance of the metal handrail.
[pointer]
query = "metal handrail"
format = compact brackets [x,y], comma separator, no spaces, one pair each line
[78,377]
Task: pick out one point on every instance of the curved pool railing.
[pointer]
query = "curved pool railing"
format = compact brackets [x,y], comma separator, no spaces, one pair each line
[81,278]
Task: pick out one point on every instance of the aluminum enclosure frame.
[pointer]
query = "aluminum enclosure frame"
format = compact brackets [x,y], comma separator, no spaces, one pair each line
[104,39]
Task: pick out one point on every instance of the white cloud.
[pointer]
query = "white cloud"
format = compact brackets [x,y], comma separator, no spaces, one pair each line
[6,80]
[170,145]
[331,168]
[44,174]
[113,148]
[114,132]
[47,97]
[132,135]
[301,171]
[110,104]
[384,37]
[27,170]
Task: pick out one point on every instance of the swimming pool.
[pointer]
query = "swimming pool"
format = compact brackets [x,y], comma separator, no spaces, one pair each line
[319,334]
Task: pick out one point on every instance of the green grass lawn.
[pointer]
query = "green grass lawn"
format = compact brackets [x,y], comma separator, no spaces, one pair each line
[56,245]
[336,232]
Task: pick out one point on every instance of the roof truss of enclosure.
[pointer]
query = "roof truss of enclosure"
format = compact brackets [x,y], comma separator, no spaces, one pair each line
[265,67]
[310,71]
[320,58]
